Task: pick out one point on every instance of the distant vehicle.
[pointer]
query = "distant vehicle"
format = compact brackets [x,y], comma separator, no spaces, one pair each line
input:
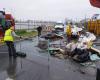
[59,26]
[5,19]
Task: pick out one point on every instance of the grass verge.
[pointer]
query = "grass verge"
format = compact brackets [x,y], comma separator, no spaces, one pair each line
[26,33]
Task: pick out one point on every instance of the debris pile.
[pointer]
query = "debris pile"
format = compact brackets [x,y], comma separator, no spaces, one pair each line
[77,46]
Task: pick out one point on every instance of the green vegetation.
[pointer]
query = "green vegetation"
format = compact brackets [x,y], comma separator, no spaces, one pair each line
[26,33]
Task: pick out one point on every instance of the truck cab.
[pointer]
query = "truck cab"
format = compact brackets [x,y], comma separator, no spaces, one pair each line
[5,19]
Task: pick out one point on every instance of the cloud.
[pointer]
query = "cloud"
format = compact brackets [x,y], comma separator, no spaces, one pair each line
[49,9]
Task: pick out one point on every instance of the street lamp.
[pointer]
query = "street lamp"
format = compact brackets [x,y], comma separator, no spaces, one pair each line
[4,9]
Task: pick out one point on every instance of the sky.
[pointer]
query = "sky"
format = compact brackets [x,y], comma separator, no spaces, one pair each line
[49,10]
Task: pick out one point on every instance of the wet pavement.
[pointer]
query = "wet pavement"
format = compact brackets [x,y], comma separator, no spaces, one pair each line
[39,65]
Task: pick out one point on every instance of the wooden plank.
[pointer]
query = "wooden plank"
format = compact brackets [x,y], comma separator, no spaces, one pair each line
[96,50]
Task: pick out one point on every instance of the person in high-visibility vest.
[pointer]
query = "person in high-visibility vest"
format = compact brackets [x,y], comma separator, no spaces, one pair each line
[9,40]
[68,32]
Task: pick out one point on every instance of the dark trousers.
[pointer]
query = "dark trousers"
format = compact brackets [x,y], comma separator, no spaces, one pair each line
[39,33]
[11,48]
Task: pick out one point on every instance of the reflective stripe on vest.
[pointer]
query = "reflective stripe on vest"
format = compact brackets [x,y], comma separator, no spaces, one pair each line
[8,35]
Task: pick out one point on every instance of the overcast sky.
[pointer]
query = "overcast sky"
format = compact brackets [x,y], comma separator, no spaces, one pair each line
[49,9]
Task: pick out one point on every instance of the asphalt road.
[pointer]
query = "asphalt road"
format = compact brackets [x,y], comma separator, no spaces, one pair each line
[39,65]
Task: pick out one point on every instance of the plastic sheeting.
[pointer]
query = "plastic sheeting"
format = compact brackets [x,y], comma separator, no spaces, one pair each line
[76,29]
[88,37]
[94,57]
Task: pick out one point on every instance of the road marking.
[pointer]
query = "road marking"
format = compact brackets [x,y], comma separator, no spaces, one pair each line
[3,52]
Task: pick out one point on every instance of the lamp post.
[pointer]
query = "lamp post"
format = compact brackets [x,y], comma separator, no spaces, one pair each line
[4,9]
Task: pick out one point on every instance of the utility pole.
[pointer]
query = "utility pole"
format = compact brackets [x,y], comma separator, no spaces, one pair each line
[20,24]
[28,25]
[85,23]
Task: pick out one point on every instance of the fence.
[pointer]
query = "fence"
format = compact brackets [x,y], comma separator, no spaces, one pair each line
[94,26]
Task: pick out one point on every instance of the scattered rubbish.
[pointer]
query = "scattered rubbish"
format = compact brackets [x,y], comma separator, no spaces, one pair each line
[95,50]
[94,57]
[96,44]
[43,44]
[78,48]
[9,79]
[21,54]
[87,37]
[88,64]
[76,29]
[52,36]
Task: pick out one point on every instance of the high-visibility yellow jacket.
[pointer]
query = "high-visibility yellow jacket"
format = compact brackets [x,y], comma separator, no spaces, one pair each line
[68,30]
[8,35]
